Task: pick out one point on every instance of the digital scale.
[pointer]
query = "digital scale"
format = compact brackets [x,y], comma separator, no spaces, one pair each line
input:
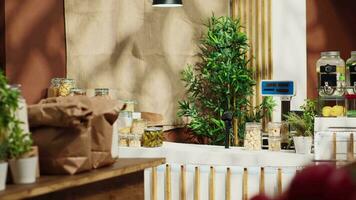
[274,88]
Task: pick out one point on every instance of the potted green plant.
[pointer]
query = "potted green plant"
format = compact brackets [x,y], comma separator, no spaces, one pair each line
[3,165]
[14,143]
[22,163]
[303,126]
[220,82]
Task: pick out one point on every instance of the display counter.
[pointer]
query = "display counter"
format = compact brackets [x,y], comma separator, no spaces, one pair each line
[123,180]
[214,172]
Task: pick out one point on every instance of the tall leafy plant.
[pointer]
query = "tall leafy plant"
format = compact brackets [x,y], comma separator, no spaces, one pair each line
[220,82]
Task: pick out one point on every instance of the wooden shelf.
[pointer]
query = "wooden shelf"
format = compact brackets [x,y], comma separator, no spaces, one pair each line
[49,184]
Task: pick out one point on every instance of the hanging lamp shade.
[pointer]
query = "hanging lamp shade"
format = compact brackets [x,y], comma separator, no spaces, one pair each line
[167,3]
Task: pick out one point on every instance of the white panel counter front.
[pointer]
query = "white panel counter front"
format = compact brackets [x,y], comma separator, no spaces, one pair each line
[244,170]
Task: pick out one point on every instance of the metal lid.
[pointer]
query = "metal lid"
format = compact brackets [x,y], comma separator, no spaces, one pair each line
[154,129]
[330,53]
[56,81]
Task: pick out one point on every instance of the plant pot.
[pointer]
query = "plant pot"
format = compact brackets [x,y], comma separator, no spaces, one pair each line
[3,175]
[24,170]
[303,144]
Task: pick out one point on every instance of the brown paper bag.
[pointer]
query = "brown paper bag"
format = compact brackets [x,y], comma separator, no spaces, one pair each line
[62,133]
[104,113]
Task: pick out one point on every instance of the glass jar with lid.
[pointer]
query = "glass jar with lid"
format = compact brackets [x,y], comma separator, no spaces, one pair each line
[331,74]
[102,92]
[53,90]
[78,92]
[153,137]
[129,105]
[351,73]
[124,122]
[67,84]
[253,137]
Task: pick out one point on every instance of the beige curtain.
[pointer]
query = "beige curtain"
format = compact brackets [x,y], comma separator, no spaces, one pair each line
[135,49]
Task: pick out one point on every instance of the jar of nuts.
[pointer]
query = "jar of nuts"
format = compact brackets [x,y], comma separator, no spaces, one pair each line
[66,86]
[253,138]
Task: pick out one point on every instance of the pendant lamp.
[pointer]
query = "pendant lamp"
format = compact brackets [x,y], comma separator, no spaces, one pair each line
[167,3]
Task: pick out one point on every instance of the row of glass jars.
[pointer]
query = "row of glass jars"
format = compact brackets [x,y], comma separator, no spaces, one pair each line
[253,136]
[334,78]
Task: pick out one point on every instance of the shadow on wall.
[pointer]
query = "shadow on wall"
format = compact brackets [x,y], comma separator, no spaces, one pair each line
[330,26]
[35,47]
[146,56]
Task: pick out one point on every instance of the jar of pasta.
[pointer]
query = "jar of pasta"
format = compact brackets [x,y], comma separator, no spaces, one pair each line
[53,90]
[66,86]
[253,138]
[153,137]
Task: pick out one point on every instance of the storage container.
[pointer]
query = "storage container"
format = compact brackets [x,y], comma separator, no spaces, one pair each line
[253,138]
[331,74]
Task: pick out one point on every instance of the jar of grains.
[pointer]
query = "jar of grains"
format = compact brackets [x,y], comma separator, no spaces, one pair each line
[253,138]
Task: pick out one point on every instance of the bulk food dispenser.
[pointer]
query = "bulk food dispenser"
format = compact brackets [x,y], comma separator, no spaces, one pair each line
[331,84]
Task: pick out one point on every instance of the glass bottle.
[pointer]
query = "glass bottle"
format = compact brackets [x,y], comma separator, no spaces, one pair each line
[331,74]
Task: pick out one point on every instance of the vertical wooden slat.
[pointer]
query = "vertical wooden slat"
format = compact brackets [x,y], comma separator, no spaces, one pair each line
[241,8]
[269,40]
[212,184]
[154,184]
[264,51]
[251,54]
[197,184]
[350,149]
[228,184]
[234,9]
[334,147]
[168,183]
[279,181]
[183,191]
[262,181]
[245,185]
[257,47]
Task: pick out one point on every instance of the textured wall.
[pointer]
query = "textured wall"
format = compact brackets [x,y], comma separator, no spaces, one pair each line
[330,26]
[35,44]
[138,50]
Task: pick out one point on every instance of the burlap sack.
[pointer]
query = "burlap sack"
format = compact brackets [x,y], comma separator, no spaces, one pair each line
[103,114]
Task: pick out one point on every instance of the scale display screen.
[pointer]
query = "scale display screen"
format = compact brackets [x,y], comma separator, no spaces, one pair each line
[277,88]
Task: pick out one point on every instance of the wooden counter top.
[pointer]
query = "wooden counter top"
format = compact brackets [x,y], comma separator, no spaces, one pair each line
[49,184]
